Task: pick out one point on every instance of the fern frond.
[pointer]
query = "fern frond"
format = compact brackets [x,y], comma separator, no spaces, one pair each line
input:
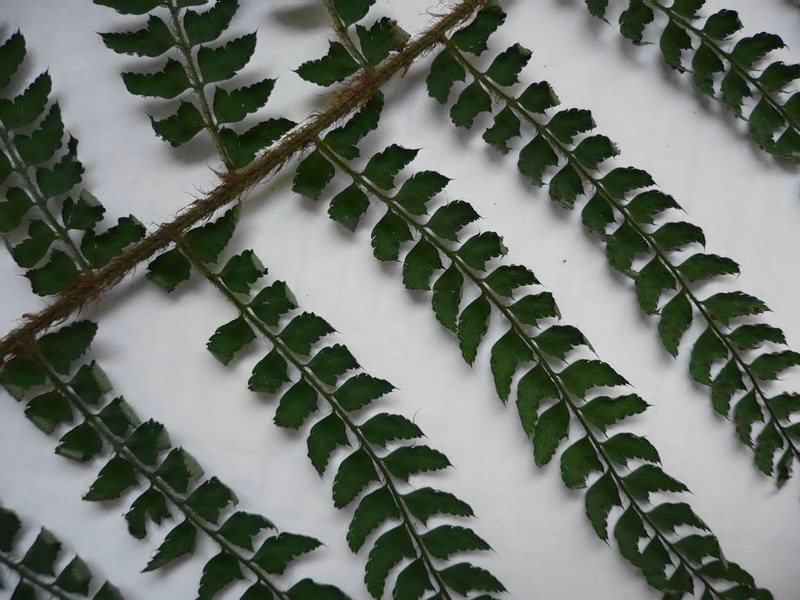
[633,229]
[550,401]
[31,135]
[142,454]
[233,187]
[198,65]
[367,471]
[729,72]
[36,569]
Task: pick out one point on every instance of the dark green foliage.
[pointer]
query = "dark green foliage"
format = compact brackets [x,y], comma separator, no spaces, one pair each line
[233,106]
[141,453]
[664,285]
[335,66]
[219,64]
[701,48]
[152,41]
[37,570]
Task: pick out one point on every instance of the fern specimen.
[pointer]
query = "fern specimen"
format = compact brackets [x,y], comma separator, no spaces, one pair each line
[319,373]
[92,287]
[548,400]
[357,54]
[142,452]
[36,569]
[774,122]
[633,228]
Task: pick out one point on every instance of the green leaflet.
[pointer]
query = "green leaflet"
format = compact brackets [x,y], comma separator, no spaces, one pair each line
[82,214]
[549,430]
[387,236]
[603,411]
[360,390]
[634,19]
[506,66]
[355,472]
[43,142]
[12,53]
[411,460]
[323,439]
[473,38]
[230,339]
[219,64]
[348,206]
[378,41]
[241,527]
[535,158]
[351,11]
[169,82]
[219,572]
[471,102]
[344,140]
[451,218]
[28,106]
[506,126]
[335,66]
[129,7]
[420,264]
[390,548]
[14,209]
[418,190]
[182,126]
[577,462]
[180,540]
[209,25]
[101,249]
[472,326]
[169,270]
[465,577]
[152,41]
[277,552]
[313,175]
[233,106]
[384,428]
[384,166]
[243,147]
[445,71]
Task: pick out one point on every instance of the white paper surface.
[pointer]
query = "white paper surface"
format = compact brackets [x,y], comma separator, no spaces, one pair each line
[153,345]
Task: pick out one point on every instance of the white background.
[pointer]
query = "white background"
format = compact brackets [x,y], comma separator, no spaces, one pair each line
[153,345]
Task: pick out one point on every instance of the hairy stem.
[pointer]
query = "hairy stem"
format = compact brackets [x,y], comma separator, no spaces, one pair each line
[323,390]
[715,47]
[520,329]
[89,287]
[31,576]
[41,202]
[603,192]
[197,84]
[149,473]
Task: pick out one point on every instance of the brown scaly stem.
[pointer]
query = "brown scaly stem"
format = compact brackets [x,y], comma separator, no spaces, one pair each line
[120,449]
[29,575]
[616,205]
[326,392]
[520,329]
[88,288]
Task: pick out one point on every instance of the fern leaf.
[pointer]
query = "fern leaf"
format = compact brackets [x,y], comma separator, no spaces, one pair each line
[138,455]
[685,34]
[37,568]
